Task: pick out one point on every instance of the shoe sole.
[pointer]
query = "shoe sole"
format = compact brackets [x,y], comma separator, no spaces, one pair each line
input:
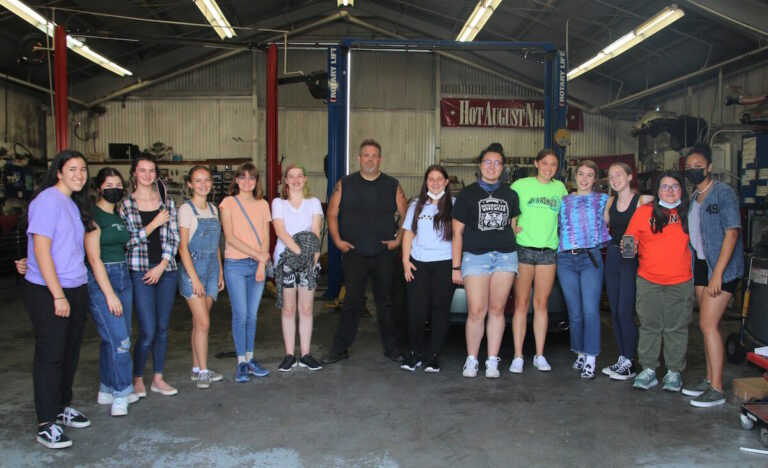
[543,369]
[671,390]
[164,392]
[646,387]
[587,376]
[693,393]
[53,445]
[75,425]
[469,374]
[258,375]
[119,413]
[287,370]
[607,371]
[432,370]
[516,371]
[141,394]
[492,375]
[620,377]
[707,404]
[301,364]
[241,380]
[203,386]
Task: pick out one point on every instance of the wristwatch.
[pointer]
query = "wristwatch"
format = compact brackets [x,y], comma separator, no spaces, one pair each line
[456,268]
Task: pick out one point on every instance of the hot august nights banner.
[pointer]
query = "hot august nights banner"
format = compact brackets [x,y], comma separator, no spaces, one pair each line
[509,113]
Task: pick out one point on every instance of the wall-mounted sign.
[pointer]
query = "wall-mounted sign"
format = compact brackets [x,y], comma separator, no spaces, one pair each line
[500,113]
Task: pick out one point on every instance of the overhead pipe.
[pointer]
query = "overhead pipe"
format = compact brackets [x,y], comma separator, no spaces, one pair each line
[671,83]
[26,84]
[729,19]
[60,83]
[153,81]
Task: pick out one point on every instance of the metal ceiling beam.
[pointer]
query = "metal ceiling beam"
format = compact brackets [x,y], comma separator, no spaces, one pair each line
[658,88]
[26,84]
[747,15]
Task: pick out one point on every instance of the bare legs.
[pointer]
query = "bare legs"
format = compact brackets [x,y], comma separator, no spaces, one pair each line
[486,295]
[200,307]
[542,278]
[711,310]
[305,303]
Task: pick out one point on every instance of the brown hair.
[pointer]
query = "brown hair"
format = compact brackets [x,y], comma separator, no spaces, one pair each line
[623,166]
[243,170]
[588,163]
[369,142]
[285,192]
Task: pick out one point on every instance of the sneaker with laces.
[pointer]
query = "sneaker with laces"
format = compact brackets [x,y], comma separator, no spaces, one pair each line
[411,362]
[309,362]
[492,367]
[255,369]
[673,382]
[470,367]
[615,366]
[193,375]
[203,380]
[709,398]
[517,365]
[588,372]
[540,363]
[645,379]
[71,417]
[50,435]
[696,390]
[120,406]
[578,364]
[241,374]
[625,371]
[215,376]
[288,363]
[106,398]
[433,365]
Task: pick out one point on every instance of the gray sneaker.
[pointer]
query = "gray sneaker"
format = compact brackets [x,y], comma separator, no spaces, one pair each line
[698,389]
[215,376]
[203,380]
[646,379]
[709,398]
[193,376]
[673,382]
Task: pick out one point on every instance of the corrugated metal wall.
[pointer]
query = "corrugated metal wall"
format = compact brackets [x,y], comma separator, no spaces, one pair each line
[230,77]
[23,121]
[460,79]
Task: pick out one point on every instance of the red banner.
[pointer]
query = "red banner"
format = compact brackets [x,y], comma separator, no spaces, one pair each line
[500,113]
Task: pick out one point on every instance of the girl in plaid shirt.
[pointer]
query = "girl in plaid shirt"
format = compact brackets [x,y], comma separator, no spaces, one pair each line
[150,218]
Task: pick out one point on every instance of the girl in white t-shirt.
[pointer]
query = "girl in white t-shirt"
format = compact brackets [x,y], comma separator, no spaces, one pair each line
[296,211]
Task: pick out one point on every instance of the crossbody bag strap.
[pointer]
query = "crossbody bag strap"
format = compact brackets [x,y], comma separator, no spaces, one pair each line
[248,219]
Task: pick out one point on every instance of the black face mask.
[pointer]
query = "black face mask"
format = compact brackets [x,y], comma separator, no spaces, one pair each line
[696,176]
[112,195]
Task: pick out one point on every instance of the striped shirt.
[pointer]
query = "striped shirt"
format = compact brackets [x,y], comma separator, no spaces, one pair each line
[138,247]
[582,225]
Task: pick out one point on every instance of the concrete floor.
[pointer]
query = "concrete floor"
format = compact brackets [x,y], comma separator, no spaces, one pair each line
[367,412]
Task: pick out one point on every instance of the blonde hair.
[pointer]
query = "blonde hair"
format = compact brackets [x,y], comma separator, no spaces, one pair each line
[285,192]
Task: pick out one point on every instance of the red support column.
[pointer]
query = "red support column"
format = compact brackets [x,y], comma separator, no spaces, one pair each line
[272,175]
[60,87]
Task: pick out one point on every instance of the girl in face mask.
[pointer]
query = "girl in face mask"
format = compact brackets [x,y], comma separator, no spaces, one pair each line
[427,264]
[664,286]
[111,293]
[715,227]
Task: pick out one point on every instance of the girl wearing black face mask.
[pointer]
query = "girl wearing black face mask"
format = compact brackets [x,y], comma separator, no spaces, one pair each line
[718,263]
[111,293]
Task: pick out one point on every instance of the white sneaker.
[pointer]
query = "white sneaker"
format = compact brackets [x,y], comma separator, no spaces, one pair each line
[492,367]
[540,363]
[470,367]
[106,398]
[120,406]
[517,365]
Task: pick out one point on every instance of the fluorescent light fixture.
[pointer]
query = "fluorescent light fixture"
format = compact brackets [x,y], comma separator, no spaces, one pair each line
[477,19]
[345,3]
[32,17]
[660,21]
[213,14]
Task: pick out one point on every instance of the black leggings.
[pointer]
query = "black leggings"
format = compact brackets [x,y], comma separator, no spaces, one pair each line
[430,291]
[620,276]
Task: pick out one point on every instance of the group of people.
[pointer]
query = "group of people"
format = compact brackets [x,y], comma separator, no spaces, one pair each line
[117,256]
[492,238]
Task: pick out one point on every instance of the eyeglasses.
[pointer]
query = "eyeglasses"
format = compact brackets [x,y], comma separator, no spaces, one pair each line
[667,188]
[492,162]
[243,178]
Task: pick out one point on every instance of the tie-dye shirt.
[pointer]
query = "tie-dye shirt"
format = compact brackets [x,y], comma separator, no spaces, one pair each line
[582,225]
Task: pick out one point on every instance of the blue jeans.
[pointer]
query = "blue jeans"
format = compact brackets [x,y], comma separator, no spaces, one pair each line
[582,285]
[153,305]
[115,363]
[245,296]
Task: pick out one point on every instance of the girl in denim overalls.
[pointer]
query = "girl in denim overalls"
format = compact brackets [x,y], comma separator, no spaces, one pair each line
[201,276]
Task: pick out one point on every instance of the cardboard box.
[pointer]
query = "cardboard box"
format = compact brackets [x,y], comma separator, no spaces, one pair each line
[751,387]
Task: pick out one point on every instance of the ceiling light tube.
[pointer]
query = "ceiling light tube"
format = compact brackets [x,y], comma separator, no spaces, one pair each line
[35,19]
[213,14]
[658,22]
[477,19]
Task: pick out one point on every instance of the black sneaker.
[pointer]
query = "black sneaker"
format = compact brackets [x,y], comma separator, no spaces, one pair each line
[50,435]
[71,417]
[625,372]
[411,362]
[309,362]
[432,364]
[334,356]
[289,362]
[394,355]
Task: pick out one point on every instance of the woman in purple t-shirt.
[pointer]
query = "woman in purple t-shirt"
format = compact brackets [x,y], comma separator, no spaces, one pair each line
[56,293]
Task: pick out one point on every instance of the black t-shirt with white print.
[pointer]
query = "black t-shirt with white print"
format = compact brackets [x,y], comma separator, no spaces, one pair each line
[486,217]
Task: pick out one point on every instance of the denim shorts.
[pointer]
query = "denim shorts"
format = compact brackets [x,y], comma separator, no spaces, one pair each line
[207,269]
[536,256]
[488,263]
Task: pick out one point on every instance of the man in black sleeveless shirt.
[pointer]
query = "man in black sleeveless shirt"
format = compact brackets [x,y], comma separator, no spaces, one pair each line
[361,222]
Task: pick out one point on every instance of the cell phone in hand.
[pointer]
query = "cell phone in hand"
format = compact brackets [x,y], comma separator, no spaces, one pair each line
[628,246]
